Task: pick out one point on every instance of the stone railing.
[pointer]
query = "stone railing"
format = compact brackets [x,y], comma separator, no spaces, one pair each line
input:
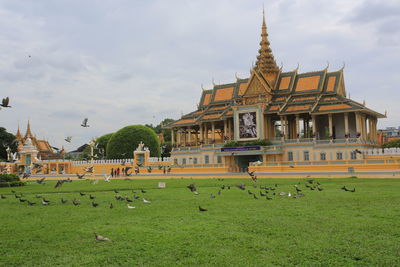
[385,151]
[156,160]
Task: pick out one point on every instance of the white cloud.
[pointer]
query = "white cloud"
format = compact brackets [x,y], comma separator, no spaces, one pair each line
[136,62]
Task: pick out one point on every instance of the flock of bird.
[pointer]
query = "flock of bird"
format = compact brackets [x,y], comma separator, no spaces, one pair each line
[255,191]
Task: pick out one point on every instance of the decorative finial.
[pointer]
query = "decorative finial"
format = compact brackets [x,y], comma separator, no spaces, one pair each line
[213,81]
[385,113]
[344,64]
[364,102]
[297,68]
[281,66]
[327,65]
[202,88]
[236,76]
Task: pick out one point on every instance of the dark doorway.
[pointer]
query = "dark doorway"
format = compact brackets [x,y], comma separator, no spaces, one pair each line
[243,161]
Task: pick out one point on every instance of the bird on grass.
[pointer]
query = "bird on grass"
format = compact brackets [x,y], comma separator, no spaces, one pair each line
[31,203]
[111,206]
[202,209]
[3,197]
[41,181]
[268,198]
[254,196]
[76,202]
[249,192]
[85,123]
[82,194]
[92,197]
[63,201]
[131,207]
[116,191]
[212,196]
[95,204]
[22,200]
[100,238]
[45,202]
[262,194]
[353,190]
[192,187]
[16,196]
[59,183]
[128,199]
[146,201]
[107,178]
[344,188]
[241,186]
[143,191]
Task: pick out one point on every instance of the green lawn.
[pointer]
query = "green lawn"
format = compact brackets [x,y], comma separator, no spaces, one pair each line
[324,228]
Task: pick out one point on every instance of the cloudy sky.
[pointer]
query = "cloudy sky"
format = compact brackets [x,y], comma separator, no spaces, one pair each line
[122,62]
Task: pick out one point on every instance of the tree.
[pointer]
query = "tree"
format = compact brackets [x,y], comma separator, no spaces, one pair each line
[102,142]
[123,142]
[394,143]
[6,139]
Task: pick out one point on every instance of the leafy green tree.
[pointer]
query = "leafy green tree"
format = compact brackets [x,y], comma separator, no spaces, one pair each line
[394,143]
[6,139]
[123,142]
[102,142]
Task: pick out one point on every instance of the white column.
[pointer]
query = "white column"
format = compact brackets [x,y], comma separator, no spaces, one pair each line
[346,124]
[330,125]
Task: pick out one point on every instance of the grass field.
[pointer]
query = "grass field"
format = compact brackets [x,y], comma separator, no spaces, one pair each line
[324,228]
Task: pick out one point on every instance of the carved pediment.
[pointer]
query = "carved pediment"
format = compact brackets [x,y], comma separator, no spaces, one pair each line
[256,86]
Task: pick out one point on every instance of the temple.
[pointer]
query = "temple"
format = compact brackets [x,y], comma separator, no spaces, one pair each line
[44,150]
[274,116]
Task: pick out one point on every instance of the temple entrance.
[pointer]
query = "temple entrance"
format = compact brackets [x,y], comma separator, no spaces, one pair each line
[243,161]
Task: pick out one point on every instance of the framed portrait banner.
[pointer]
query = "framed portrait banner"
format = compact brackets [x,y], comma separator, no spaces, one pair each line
[248,125]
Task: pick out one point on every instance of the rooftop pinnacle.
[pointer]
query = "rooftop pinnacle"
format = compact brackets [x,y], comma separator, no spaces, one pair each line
[265,60]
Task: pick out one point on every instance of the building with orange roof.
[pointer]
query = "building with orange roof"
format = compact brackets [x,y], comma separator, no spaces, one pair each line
[44,150]
[306,116]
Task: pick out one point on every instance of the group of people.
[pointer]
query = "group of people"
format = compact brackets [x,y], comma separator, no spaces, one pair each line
[117,172]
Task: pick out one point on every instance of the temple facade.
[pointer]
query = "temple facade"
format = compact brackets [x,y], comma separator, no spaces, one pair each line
[274,116]
[42,147]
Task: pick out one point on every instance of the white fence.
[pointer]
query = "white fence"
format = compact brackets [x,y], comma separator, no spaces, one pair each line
[156,160]
[385,151]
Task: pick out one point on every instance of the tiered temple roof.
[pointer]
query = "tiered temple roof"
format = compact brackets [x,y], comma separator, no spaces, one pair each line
[281,93]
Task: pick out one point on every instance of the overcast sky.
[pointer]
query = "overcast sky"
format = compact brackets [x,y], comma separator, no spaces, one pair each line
[134,62]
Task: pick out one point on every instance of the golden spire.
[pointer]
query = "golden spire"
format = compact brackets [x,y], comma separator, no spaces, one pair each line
[18,135]
[28,131]
[265,60]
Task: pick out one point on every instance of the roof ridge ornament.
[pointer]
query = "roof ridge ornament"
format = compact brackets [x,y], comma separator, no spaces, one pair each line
[213,82]
[327,65]
[342,68]
[297,68]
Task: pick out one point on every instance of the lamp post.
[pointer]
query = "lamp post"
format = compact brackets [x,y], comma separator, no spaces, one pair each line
[92,144]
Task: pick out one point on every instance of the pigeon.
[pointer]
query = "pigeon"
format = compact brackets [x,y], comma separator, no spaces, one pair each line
[22,200]
[95,204]
[128,199]
[5,102]
[63,201]
[249,192]
[76,202]
[82,194]
[268,198]
[282,193]
[80,176]
[131,207]
[31,203]
[116,192]
[111,206]
[100,238]
[107,178]
[241,186]
[84,123]
[59,183]
[91,197]
[89,169]
[3,197]
[202,209]
[146,201]
[254,196]
[212,196]
[262,194]
[16,196]
[143,191]
[45,202]
[192,187]
[289,194]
